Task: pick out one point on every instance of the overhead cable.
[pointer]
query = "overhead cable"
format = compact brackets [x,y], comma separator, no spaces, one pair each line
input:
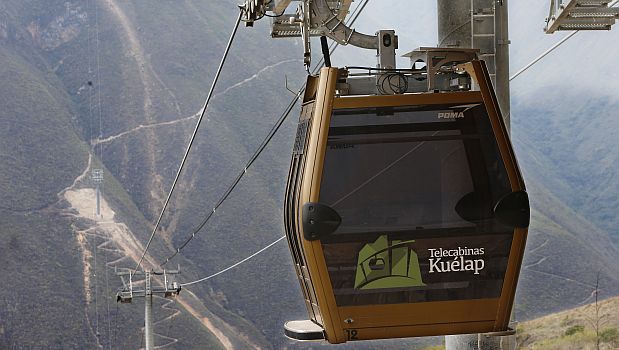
[274,130]
[234,265]
[193,137]
[238,178]
[551,49]
[332,48]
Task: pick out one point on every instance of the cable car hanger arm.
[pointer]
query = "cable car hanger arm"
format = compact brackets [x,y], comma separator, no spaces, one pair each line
[312,18]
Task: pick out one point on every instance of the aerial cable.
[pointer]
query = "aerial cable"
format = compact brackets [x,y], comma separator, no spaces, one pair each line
[89,83]
[236,264]
[551,49]
[259,151]
[115,327]
[107,300]
[274,130]
[98,65]
[94,248]
[239,177]
[193,137]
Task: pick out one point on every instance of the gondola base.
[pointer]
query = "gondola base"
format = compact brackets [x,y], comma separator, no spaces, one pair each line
[304,330]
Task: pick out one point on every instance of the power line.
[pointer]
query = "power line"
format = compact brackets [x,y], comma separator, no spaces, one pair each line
[360,8]
[193,137]
[551,49]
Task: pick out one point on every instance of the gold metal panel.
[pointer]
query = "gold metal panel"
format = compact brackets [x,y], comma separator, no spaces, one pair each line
[419,330]
[510,280]
[309,193]
[420,313]
[477,69]
[407,99]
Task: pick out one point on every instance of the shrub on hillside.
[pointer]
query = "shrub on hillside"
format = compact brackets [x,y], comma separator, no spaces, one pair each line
[611,336]
[575,329]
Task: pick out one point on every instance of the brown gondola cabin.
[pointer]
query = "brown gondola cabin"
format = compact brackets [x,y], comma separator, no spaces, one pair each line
[406,214]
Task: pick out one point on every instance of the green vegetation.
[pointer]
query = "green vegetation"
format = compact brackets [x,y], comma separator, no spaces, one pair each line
[610,336]
[40,258]
[435,347]
[35,129]
[575,329]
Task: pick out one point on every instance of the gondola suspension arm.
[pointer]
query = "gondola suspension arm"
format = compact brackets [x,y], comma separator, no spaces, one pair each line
[313,18]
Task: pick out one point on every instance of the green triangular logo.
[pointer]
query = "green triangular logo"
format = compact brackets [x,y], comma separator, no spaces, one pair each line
[381,265]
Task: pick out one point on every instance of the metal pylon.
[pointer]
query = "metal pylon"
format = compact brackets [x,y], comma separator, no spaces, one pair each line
[129,291]
[580,15]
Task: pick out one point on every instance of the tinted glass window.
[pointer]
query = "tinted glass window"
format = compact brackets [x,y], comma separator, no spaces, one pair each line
[405,181]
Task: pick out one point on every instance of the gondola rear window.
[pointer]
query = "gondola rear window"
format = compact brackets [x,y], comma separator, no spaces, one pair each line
[410,183]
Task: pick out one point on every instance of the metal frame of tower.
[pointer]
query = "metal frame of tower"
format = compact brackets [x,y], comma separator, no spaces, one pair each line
[483,25]
[129,291]
[97,179]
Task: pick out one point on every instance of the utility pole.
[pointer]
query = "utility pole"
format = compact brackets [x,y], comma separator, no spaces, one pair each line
[129,291]
[97,179]
[483,25]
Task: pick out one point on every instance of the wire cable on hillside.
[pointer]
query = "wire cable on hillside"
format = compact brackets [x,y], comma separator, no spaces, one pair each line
[107,302]
[98,76]
[102,184]
[236,264]
[274,130]
[551,49]
[90,83]
[115,326]
[94,249]
[239,177]
[193,137]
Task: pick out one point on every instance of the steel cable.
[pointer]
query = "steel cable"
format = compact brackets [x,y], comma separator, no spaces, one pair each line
[551,49]
[193,137]
[269,137]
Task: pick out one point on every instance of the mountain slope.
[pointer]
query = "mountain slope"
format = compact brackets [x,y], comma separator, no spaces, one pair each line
[574,328]
[37,249]
[52,263]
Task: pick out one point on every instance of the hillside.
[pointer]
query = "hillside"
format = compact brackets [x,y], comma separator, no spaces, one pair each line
[116,85]
[574,328]
[570,119]
[35,119]
[564,252]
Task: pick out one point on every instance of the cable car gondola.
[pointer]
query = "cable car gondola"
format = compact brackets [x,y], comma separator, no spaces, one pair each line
[406,214]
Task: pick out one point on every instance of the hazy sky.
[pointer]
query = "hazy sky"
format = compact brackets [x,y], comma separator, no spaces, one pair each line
[585,62]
